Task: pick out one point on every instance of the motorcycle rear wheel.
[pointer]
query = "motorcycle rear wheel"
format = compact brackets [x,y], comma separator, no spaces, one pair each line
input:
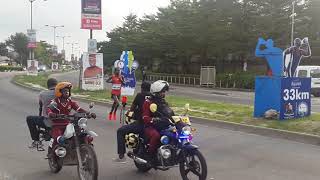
[89,162]
[54,162]
[198,168]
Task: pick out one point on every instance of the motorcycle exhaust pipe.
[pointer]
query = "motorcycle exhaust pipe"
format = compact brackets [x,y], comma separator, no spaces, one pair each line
[136,159]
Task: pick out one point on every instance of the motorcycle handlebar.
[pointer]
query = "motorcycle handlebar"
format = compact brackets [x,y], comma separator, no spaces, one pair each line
[75,116]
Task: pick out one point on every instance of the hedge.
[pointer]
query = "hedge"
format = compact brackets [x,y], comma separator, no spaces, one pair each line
[10,68]
[241,80]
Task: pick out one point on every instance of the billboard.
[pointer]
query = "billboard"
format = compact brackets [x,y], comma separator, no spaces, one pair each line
[92,76]
[91,14]
[32,67]
[32,41]
[55,66]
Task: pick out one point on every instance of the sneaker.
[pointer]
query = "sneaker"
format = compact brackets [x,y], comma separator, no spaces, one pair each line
[34,144]
[40,146]
[120,159]
[114,117]
[110,116]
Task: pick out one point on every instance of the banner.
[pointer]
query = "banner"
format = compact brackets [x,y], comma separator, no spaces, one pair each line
[32,41]
[92,76]
[92,46]
[295,98]
[32,67]
[91,14]
[128,65]
[55,66]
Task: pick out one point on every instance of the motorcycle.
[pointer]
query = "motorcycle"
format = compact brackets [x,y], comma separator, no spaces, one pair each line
[74,147]
[176,149]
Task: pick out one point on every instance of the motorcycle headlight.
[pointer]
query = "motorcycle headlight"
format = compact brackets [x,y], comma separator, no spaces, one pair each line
[82,123]
[186,130]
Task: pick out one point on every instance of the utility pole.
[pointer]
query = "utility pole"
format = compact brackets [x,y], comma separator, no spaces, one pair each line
[292,23]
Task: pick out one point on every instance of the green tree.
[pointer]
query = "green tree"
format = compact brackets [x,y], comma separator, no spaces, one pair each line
[3,49]
[18,42]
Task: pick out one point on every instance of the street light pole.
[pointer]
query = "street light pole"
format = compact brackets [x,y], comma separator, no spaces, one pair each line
[63,40]
[292,23]
[54,32]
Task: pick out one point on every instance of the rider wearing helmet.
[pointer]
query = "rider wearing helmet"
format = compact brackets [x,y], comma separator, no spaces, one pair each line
[34,122]
[157,121]
[135,127]
[117,81]
[62,105]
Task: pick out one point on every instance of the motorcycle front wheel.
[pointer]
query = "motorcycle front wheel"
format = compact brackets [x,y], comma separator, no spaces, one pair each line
[54,162]
[89,163]
[194,166]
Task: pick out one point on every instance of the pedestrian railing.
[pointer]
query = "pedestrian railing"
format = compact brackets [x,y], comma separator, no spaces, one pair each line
[192,80]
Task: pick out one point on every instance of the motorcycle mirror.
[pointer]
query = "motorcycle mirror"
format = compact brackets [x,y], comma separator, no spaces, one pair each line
[91,105]
[187,107]
[153,107]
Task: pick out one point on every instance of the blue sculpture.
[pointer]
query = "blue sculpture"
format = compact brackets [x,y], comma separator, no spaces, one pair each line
[272,54]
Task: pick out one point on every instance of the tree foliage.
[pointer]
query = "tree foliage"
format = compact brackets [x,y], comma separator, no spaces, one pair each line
[190,33]
[18,42]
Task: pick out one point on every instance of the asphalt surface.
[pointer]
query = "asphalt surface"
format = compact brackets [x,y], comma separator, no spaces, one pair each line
[209,94]
[230,155]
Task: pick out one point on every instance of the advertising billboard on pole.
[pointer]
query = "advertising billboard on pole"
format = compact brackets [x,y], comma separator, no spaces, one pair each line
[32,41]
[92,76]
[91,14]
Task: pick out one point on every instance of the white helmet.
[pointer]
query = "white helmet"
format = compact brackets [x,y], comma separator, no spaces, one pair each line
[159,86]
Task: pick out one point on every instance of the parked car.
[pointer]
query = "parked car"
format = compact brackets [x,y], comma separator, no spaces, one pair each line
[314,73]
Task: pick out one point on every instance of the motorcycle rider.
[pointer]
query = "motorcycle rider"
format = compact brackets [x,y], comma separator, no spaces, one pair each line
[117,81]
[34,122]
[135,127]
[62,105]
[157,121]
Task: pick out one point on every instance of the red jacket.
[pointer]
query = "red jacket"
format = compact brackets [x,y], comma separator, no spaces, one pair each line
[63,108]
[147,115]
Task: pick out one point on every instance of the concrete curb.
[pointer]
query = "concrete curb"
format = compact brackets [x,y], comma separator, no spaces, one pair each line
[269,132]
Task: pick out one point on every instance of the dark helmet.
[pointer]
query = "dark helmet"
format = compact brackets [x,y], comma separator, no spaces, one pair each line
[51,83]
[145,86]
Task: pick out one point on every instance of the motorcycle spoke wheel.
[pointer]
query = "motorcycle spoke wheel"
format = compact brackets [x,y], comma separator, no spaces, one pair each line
[89,169]
[194,167]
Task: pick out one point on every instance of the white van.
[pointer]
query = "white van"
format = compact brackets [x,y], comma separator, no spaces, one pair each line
[314,73]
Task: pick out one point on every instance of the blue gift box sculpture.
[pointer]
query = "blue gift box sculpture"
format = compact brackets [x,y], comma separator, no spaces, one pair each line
[288,95]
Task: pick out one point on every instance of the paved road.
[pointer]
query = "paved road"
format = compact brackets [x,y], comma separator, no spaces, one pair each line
[230,155]
[235,97]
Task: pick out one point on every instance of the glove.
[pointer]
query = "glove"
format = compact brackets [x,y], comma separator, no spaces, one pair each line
[93,115]
[155,120]
[52,115]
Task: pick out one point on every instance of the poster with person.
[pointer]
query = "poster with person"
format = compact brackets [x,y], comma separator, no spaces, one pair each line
[32,67]
[55,66]
[92,76]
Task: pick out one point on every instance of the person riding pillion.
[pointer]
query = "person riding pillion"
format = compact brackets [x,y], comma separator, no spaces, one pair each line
[117,81]
[36,122]
[137,126]
[157,121]
[62,105]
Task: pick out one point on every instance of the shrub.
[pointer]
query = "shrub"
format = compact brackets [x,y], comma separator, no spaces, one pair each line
[10,68]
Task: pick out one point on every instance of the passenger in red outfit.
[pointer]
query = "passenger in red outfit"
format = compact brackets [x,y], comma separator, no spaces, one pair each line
[155,122]
[117,81]
[62,105]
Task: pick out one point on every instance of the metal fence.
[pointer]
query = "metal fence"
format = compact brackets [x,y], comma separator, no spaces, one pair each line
[176,79]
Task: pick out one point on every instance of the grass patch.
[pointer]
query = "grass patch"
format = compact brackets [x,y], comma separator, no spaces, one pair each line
[200,108]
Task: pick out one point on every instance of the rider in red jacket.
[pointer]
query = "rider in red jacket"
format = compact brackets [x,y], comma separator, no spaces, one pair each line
[155,122]
[62,105]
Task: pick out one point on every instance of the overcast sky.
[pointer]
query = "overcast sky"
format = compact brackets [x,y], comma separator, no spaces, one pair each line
[15,17]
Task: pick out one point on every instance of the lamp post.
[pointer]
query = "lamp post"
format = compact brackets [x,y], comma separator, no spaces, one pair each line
[54,32]
[31,53]
[63,40]
[292,23]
